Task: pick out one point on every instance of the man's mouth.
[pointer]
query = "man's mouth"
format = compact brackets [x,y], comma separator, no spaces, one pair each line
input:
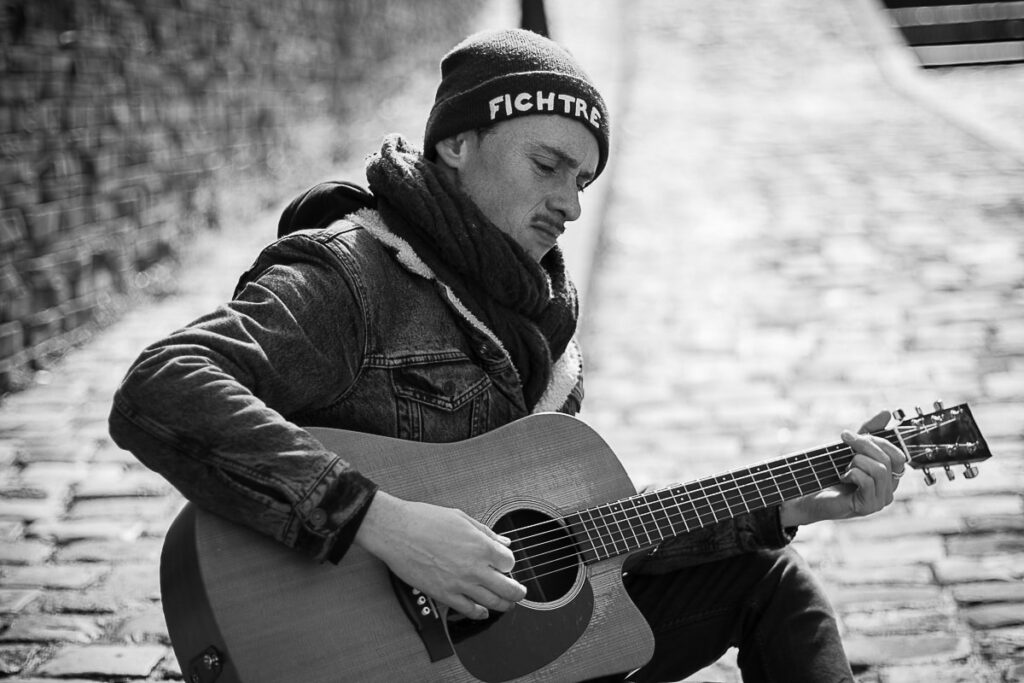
[550,228]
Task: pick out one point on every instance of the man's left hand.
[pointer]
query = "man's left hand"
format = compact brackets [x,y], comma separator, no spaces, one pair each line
[868,484]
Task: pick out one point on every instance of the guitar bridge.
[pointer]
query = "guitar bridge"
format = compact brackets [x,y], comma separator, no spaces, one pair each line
[422,612]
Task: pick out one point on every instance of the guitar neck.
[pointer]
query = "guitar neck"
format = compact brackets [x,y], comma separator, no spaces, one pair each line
[646,519]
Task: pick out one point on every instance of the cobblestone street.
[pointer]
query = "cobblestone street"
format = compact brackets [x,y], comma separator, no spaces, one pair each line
[791,246]
[788,244]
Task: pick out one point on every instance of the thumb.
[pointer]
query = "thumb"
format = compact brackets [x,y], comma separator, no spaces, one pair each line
[877,423]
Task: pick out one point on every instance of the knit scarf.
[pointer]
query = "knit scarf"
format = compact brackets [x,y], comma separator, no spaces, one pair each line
[531,307]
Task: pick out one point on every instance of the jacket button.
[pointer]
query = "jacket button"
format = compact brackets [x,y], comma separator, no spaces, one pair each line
[449,388]
[318,518]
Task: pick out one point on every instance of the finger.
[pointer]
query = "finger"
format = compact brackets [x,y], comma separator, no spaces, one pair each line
[877,423]
[865,445]
[869,497]
[882,483]
[897,458]
[466,607]
[504,587]
[491,533]
[485,598]
[501,558]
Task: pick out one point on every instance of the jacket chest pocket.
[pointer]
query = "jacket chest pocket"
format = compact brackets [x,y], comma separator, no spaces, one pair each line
[441,401]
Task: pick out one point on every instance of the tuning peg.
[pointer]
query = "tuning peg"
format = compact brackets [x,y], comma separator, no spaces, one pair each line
[970,471]
[899,414]
[949,473]
[929,478]
[938,405]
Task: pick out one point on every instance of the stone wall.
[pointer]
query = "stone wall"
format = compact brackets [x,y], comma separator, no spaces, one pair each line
[120,119]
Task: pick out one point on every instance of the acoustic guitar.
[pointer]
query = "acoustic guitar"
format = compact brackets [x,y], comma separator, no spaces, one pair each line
[241,607]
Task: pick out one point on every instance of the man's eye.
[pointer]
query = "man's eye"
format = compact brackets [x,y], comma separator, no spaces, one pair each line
[544,168]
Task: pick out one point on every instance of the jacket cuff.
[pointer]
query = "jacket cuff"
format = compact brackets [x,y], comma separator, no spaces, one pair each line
[327,530]
[763,529]
[347,534]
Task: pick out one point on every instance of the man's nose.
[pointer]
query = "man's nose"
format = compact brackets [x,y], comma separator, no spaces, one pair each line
[567,202]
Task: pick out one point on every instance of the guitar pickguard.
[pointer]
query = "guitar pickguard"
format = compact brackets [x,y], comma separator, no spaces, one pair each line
[522,640]
[557,609]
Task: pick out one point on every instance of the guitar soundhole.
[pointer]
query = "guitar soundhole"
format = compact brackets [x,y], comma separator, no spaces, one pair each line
[547,561]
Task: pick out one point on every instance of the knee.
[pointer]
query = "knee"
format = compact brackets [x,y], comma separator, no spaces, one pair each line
[790,575]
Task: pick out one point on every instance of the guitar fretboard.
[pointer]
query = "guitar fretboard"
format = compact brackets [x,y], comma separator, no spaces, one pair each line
[644,520]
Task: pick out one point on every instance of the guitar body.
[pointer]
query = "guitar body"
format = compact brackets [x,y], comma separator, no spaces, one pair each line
[271,615]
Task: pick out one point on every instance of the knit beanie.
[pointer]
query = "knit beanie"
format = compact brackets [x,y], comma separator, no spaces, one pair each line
[494,76]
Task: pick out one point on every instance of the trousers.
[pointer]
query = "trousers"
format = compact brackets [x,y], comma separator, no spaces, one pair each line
[768,604]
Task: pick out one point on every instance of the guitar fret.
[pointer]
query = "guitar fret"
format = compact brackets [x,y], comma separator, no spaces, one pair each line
[748,490]
[639,520]
[666,513]
[632,520]
[835,474]
[811,467]
[778,489]
[765,470]
[693,493]
[603,553]
[651,519]
[796,479]
[739,489]
[721,497]
[618,536]
[590,537]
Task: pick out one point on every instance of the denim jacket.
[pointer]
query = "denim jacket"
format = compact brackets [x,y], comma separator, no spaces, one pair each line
[341,327]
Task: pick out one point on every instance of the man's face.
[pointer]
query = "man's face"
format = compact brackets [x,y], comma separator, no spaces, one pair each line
[526,175]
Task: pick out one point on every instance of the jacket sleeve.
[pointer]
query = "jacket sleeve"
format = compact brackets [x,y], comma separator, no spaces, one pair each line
[205,407]
[758,530]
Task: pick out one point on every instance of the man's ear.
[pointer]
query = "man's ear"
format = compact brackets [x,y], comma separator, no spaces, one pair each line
[453,150]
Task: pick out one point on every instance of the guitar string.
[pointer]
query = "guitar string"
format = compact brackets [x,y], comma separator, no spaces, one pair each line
[570,560]
[701,496]
[751,471]
[703,500]
[702,505]
[805,459]
[614,540]
[706,502]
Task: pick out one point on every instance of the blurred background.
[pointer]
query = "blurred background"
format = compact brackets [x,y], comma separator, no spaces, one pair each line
[814,210]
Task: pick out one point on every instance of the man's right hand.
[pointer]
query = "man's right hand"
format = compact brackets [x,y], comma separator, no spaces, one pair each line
[443,552]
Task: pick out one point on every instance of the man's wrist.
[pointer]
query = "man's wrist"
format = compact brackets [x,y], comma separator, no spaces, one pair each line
[792,514]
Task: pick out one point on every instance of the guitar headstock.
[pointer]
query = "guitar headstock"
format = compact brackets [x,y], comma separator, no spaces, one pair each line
[942,438]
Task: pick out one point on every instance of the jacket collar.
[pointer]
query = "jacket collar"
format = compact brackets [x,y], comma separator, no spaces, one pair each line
[566,370]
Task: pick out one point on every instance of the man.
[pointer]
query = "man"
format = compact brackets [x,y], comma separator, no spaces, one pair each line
[445,313]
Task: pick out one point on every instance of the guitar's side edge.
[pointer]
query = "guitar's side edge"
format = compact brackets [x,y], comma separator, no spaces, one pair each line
[191,623]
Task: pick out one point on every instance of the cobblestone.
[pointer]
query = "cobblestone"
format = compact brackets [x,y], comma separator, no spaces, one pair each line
[53,576]
[25,552]
[136,661]
[13,658]
[52,628]
[13,600]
